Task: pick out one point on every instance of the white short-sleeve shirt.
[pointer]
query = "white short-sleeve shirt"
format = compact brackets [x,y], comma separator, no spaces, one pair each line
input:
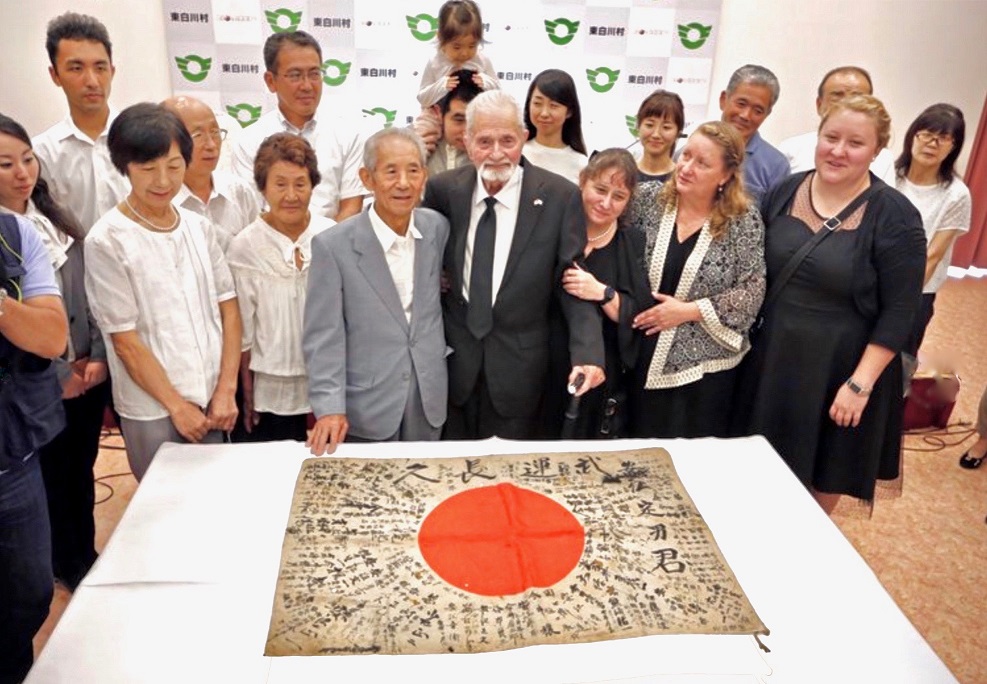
[167,287]
[79,172]
[943,207]
[232,205]
[338,148]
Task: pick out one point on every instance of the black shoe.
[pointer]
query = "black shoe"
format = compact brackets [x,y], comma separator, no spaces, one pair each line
[969,462]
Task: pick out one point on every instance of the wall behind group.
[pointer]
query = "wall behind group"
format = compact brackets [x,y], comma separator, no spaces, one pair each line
[918,51]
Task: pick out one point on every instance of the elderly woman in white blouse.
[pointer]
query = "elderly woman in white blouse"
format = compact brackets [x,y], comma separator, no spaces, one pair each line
[163,296]
[270,260]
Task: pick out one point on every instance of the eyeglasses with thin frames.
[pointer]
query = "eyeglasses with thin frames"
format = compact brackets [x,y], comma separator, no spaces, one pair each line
[940,139]
[217,135]
[296,76]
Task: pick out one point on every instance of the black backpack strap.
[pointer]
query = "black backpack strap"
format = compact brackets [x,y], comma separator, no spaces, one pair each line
[11,261]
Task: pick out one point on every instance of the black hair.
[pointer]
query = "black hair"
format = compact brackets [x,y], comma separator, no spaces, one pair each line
[458,18]
[274,43]
[849,69]
[73,26]
[938,118]
[558,85]
[663,104]
[465,90]
[40,195]
[143,132]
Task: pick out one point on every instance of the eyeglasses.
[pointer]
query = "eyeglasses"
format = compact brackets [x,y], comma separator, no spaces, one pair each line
[296,76]
[217,135]
[926,137]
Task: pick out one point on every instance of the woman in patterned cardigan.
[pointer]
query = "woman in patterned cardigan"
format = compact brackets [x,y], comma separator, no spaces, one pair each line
[704,260]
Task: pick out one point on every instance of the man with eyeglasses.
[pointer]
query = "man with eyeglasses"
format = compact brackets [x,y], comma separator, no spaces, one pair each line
[75,160]
[800,150]
[230,203]
[294,73]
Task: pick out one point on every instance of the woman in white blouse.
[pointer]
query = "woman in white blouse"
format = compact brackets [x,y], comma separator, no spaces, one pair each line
[269,260]
[163,296]
[554,122]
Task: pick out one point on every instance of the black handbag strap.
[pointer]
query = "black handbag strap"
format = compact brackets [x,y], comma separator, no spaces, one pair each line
[829,226]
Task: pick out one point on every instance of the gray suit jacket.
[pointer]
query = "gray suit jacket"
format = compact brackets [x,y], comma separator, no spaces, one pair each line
[360,350]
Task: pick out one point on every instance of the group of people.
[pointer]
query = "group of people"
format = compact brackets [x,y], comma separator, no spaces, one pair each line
[462,279]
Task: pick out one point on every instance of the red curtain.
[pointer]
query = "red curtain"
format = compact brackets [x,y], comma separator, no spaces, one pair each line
[971,249]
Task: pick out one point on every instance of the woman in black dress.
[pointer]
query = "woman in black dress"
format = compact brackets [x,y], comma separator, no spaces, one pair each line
[609,274]
[704,259]
[823,382]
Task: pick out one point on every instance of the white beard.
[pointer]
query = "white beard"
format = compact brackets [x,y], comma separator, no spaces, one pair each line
[492,175]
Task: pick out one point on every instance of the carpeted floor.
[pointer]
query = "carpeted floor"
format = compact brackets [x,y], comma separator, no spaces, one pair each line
[927,546]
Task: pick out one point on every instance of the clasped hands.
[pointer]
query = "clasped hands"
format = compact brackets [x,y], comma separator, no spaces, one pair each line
[668,313]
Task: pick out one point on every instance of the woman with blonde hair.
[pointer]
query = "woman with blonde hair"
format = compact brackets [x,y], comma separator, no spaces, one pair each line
[704,260]
[845,256]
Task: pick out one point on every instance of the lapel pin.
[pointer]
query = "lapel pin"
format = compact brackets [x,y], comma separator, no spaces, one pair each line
[538,203]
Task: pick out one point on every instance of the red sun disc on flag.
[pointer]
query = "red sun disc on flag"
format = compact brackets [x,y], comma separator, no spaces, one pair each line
[501,540]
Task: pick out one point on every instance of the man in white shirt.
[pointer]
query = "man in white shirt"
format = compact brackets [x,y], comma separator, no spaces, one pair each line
[74,158]
[373,341]
[800,150]
[294,72]
[443,128]
[230,203]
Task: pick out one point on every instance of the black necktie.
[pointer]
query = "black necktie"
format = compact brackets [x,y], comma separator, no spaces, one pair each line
[479,316]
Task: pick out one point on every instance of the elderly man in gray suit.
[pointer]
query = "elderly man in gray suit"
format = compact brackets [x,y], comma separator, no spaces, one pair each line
[373,341]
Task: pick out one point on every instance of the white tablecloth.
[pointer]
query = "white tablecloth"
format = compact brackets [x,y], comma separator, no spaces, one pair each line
[184,589]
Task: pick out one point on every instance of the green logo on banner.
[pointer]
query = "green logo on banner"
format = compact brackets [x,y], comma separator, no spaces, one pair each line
[592,75]
[388,114]
[694,35]
[283,20]
[415,24]
[567,33]
[342,70]
[245,114]
[193,67]
[631,122]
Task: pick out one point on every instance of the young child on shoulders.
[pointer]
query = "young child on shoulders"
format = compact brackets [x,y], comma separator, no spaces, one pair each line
[460,34]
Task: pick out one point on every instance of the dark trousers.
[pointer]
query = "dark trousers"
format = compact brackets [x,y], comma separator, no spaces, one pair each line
[478,419]
[271,428]
[67,466]
[25,566]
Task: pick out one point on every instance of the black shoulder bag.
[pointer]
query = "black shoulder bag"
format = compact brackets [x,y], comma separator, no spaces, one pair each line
[829,226]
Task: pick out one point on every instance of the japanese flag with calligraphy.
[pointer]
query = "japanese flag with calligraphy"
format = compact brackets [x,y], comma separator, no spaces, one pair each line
[391,556]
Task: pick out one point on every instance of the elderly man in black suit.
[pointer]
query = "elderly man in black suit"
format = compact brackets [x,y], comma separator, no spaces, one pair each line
[514,229]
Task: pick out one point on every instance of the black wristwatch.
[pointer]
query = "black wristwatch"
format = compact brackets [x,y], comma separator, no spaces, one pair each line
[608,294]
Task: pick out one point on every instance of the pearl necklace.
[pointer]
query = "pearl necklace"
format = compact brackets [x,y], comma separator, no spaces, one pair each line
[604,234]
[148,221]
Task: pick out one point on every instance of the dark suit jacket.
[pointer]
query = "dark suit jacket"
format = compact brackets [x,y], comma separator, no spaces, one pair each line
[550,233]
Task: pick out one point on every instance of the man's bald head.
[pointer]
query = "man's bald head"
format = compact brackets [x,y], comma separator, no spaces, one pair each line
[201,123]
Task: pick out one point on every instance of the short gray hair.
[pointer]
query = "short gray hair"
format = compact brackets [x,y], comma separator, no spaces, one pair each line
[755,75]
[372,146]
[494,102]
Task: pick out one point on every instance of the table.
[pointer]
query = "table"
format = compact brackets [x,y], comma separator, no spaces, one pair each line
[183,591]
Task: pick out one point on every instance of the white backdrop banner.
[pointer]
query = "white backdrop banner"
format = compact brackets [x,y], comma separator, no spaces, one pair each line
[617,51]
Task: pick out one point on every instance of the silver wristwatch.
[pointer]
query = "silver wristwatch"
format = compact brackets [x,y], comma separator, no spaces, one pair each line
[3,297]
[857,389]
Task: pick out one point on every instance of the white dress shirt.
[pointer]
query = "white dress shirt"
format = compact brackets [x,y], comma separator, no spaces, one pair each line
[232,205]
[800,150]
[338,148]
[79,172]
[506,209]
[271,295]
[399,251]
[166,286]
